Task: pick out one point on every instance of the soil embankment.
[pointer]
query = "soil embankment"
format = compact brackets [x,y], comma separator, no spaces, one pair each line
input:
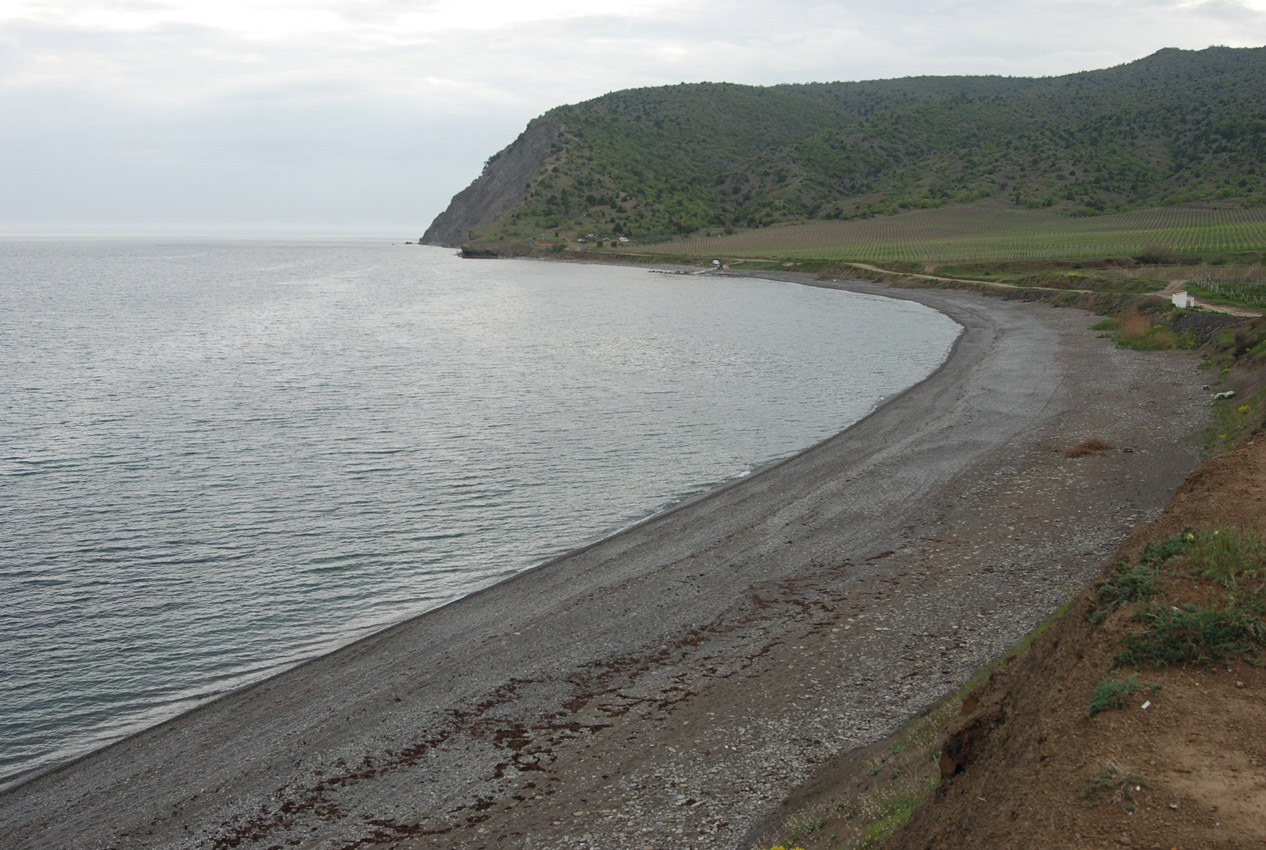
[1179,763]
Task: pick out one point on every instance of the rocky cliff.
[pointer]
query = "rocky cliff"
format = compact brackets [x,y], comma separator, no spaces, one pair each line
[502,186]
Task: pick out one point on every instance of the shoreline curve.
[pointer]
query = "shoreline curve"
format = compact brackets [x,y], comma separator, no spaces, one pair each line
[485,721]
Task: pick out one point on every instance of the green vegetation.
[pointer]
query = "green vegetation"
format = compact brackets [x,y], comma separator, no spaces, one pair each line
[1234,559]
[1127,583]
[803,827]
[1136,582]
[998,232]
[1182,623]
[1115,693]
[892,813]
[710,160]
[1191,635]
[1234,421]
[1146,331]
[1117,784]
[1240,288]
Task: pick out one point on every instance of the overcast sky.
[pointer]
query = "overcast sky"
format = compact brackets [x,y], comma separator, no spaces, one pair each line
[363,117]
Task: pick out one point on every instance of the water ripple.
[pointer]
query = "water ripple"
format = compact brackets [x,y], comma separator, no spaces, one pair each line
[222,458]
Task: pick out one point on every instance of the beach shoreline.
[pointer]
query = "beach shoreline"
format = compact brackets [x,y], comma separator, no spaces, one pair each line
[678,678]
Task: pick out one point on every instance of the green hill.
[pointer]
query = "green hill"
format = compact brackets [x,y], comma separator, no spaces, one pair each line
[660,163]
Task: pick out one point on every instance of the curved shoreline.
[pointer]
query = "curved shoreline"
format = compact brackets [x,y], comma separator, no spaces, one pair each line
[501,711]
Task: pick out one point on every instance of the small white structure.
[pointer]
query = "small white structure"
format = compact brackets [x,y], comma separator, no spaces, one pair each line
[1182,300]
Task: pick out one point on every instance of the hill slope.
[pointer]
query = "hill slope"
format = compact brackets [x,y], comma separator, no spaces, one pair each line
[661,162]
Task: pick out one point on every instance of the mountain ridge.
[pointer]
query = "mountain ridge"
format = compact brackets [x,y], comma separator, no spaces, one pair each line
[663,162]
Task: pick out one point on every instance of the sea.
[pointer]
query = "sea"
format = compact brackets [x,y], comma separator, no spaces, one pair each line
[219,458]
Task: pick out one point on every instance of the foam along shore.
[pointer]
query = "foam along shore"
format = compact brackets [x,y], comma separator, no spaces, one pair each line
[677,679]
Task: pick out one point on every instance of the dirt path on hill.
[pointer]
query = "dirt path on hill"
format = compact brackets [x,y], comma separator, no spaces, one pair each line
[990,283]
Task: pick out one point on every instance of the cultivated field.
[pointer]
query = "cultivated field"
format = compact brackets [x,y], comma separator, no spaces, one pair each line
[991,232]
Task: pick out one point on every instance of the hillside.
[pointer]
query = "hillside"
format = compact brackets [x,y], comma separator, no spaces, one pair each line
[658,163]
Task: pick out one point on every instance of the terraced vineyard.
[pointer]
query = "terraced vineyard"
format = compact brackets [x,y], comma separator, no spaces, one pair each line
[994,232]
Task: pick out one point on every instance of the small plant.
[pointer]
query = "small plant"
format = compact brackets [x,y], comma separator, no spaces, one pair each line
[805,826]
[1234,558]
[1230,426]
[1137,582]
[1117,784]
[894,813]
[1203,635]
[1181,631]
[1116,693]
[1128,583]
[1139,333]
[1155,554]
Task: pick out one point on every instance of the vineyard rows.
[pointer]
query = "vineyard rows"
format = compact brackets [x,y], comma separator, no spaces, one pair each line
[993,233]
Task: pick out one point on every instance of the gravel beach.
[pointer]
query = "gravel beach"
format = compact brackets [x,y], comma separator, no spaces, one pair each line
[666,687]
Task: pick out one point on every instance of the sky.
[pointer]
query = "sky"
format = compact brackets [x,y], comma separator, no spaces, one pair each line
[364,117]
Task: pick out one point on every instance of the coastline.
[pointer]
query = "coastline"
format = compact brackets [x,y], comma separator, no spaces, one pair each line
[494,720]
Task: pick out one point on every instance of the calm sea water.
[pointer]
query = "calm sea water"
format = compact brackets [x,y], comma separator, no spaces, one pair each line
[220,458]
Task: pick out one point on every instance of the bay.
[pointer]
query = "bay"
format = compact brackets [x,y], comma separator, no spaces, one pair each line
[218,458]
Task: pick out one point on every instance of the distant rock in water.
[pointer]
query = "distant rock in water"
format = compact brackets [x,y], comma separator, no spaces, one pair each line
[502,186]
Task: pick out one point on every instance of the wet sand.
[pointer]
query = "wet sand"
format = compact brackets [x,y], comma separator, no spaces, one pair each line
[665,687]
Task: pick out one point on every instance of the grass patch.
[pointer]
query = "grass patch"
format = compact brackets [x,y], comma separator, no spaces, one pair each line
[1147,324]
[1117,784]
[1140,332]
[1244,342]
[1155,554]
[1219,617]
[893,813]
[1127,583]
[1137,582]
[1234,421]
[1233,558]
[1116,693]
[1181,636]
